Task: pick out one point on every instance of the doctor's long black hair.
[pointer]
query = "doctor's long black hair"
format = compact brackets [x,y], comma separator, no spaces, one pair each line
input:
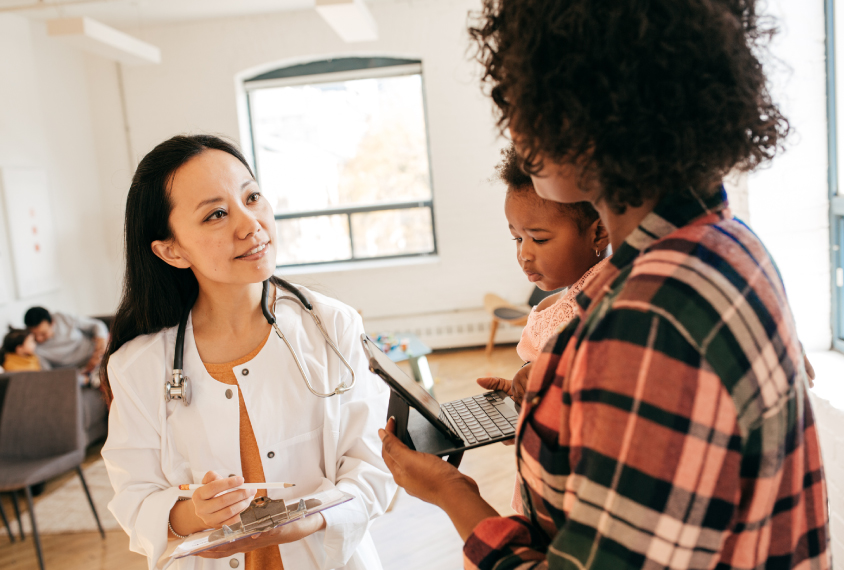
[155,293]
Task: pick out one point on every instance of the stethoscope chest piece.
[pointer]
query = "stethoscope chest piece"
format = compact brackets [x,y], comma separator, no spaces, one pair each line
[178,388]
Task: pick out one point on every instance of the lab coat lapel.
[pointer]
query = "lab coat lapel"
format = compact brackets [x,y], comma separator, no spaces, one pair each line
[213,417]
[324,369]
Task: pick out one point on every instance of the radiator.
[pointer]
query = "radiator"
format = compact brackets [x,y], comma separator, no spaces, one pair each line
[454,329]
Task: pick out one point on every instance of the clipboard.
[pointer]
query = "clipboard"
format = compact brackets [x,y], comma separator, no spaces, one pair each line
[262,515]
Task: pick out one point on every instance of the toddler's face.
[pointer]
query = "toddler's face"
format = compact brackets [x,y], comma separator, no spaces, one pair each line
[28,346]
[549,246]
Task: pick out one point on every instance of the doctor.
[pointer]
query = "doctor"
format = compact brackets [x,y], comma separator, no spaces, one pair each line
[198,227]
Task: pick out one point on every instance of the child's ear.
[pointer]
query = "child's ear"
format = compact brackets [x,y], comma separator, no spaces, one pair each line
[600,235]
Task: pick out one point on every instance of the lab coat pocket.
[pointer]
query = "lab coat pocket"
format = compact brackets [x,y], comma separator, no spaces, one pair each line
[299,460]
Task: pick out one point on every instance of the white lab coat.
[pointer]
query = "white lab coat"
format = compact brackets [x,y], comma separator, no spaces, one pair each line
[317,443]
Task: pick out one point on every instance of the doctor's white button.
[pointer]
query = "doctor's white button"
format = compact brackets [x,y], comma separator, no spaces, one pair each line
[271,454]
[234,562]
[245,372]
[229,394]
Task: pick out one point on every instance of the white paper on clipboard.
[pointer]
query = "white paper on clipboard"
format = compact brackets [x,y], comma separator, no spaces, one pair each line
[206,540]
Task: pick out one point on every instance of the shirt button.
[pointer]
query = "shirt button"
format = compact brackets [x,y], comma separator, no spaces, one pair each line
[535,400]
[234,562]
[245,372]
[271,454]
[229,394]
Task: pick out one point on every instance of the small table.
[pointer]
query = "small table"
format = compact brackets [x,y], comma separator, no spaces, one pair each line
[416,354]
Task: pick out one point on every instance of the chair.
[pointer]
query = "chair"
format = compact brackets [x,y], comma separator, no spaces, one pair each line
[40,436]
[505,312]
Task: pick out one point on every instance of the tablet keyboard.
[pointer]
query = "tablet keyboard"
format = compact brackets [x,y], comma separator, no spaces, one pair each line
[483,417]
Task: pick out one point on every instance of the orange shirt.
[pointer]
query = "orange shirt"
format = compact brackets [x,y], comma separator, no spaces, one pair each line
[17,363]
[267,558]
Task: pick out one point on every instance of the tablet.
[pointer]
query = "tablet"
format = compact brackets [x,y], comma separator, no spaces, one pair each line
[471,422]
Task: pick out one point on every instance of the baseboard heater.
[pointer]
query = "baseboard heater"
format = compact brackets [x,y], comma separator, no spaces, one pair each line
[452,329]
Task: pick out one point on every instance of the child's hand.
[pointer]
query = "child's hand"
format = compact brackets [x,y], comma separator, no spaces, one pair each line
[519,384]
[496,384]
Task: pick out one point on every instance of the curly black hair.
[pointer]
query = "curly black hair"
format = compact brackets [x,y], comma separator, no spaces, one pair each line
[649,97]
[518,182]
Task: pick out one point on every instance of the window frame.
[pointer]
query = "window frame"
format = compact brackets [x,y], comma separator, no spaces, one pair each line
[332,71]
[836,200]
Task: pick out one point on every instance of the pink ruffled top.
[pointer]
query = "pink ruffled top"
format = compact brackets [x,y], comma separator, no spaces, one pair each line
[542,325]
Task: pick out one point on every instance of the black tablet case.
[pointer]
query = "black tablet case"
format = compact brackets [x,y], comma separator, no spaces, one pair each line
[419,434]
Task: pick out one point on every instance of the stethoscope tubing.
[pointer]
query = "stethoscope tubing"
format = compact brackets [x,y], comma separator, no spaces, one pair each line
[179,386]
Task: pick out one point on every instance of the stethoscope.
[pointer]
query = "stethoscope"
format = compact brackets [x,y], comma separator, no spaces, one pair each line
[179,388]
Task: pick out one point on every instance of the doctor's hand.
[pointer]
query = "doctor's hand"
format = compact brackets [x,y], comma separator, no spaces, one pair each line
[281,535]
[215,511]
[435,481]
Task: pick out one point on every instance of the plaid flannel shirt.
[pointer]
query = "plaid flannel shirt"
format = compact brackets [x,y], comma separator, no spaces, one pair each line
[668,425]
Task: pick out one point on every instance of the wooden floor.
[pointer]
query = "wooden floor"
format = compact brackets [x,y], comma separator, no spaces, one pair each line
[414,536]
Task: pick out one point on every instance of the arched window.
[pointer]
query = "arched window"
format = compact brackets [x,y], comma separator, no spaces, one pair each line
[340,148]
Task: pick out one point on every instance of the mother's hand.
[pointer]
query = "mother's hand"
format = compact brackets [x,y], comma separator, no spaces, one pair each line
[422,475]
[435,481]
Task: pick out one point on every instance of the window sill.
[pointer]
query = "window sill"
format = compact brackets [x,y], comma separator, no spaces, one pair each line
[829,376]
[344,266]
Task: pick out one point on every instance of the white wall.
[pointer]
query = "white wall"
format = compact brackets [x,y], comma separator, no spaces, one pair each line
[789,202]
[45,122]
[193,90]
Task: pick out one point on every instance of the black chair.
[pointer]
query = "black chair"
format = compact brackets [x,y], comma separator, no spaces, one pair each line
[41,436]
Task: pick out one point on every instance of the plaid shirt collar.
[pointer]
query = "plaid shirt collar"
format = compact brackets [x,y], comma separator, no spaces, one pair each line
[672,212]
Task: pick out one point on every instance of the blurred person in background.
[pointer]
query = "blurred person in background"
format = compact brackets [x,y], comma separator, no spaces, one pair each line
[18,353]
[68,341]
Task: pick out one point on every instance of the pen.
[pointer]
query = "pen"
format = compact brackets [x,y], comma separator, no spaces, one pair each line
[254,486]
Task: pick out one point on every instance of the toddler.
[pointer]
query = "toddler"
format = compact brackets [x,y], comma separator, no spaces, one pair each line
[558,246]
[19,351]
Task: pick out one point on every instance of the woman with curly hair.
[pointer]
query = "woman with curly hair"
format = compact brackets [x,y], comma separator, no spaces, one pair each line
[668,425]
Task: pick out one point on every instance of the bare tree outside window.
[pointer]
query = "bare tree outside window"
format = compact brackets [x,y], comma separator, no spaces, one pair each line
[343,158]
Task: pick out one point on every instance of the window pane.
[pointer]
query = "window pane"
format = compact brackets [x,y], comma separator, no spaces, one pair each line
[393,232]
[311,240]
[347,143]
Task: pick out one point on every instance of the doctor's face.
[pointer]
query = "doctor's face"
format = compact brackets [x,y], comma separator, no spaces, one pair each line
[223,227]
